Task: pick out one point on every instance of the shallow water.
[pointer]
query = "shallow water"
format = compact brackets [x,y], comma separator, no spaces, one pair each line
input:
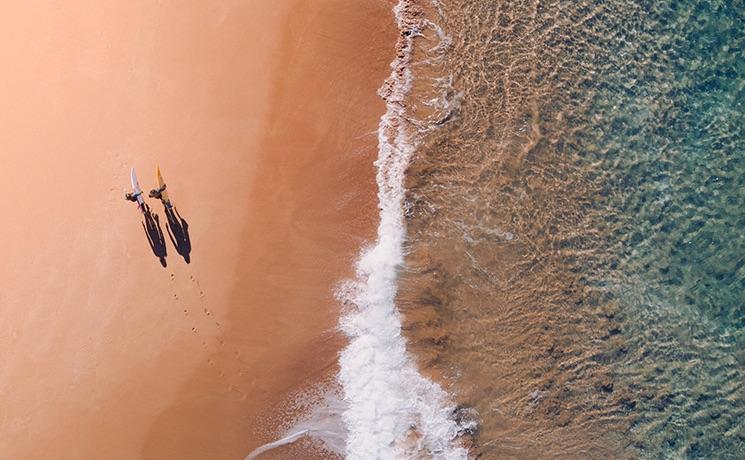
[576,233]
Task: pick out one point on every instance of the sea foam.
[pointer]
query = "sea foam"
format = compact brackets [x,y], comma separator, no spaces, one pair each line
[392,411]
[388,410]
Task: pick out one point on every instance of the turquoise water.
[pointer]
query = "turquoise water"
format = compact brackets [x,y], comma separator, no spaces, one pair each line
[578,226]
[668,151]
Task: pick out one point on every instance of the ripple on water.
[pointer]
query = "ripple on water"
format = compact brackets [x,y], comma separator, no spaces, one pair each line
[606,139]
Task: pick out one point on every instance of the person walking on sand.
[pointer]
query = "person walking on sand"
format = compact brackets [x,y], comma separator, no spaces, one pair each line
[158,194]
[136,194]
[136,198]
[131,196]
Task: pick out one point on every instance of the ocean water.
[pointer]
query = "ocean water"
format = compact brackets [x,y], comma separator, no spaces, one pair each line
[575,255]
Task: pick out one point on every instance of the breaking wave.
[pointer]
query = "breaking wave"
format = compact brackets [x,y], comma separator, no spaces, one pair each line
[392,411]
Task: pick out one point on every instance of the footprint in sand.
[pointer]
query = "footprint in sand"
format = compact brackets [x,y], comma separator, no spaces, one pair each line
[235,389]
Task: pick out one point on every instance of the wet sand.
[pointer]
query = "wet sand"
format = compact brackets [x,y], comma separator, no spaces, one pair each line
[263,121]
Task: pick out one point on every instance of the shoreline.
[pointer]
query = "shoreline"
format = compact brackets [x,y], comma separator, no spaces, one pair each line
[393,410]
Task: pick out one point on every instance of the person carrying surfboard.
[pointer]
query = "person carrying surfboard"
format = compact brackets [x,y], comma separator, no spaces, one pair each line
[160,192]
[136,194]
[131,196]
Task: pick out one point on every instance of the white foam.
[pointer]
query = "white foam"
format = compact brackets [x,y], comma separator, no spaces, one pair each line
[320,421]
[391,410]
[289,439]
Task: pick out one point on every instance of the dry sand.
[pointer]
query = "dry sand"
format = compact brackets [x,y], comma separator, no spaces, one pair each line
[262,116]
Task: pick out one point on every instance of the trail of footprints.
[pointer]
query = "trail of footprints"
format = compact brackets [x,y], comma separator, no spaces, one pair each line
[206,320]
[202,304]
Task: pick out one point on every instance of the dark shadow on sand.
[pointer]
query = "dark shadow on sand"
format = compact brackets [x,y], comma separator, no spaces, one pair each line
[155,236]
[178,232]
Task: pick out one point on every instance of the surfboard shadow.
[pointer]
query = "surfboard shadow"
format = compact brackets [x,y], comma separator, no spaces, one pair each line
[155,237]
[178,232]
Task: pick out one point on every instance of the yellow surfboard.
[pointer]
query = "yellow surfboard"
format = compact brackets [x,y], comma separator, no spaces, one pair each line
[162,184]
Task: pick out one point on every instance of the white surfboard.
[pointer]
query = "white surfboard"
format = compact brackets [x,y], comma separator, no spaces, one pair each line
[137,191]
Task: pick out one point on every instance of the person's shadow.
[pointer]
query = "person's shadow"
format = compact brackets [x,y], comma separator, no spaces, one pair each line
[155,236]
[178,232]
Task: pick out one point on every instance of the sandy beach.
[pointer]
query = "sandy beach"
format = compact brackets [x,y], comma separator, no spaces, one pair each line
[262,117]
